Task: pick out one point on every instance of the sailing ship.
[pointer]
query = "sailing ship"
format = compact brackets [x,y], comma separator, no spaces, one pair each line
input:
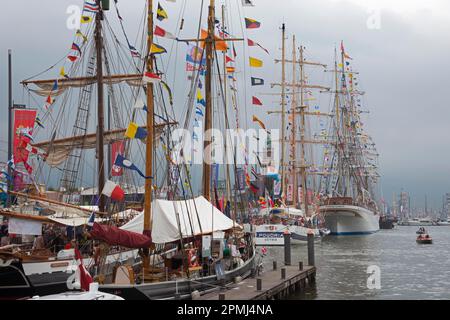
[297,216]
[348,204]
[177,245]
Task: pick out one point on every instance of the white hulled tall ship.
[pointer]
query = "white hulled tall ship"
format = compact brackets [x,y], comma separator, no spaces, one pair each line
[349,207]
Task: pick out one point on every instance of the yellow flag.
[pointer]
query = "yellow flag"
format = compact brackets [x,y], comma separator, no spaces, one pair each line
[157,49]
[62,72]
[256,63]
[131,130]
[86,19]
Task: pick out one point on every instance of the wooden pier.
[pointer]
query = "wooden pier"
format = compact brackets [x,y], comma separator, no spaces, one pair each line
[277,283]
[274,284]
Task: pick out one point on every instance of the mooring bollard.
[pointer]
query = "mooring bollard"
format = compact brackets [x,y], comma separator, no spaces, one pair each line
[221,296]
[259,284]
[300,266]
[311,249]
[274,265]
[287,248]
[283,273]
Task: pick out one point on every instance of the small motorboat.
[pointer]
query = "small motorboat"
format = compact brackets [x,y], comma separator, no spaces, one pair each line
[424,239]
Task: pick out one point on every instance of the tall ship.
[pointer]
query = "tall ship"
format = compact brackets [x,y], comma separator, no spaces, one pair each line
[348,193]
[160,240]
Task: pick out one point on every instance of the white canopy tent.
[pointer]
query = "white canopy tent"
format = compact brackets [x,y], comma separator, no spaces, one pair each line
[165,219]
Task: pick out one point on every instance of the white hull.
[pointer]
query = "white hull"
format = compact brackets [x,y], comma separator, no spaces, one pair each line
[70,265]
[273,234]
[350,220]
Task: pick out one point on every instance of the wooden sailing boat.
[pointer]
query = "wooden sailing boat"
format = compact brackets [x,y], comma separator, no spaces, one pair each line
[349,207]
[160,284]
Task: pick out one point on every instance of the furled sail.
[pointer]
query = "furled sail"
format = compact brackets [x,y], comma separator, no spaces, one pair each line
[118,237]
[59,150]
[45,86]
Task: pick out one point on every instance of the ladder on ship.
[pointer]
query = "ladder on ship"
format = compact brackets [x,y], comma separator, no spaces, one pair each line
[71,169]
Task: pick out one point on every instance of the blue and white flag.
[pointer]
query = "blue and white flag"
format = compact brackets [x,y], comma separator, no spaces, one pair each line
[125,163]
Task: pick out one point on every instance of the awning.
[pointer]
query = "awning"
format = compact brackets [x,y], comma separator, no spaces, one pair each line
[164,220]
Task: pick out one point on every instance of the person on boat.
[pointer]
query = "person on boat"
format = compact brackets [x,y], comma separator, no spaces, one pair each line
[4,234]
[38,243]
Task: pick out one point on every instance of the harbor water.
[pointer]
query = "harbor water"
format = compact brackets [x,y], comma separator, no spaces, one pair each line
[407,270]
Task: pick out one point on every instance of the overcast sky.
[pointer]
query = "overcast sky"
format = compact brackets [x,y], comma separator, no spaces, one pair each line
[404,66]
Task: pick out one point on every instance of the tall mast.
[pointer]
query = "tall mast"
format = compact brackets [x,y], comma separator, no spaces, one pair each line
[283,107]
[228,180]
[302,133]
[10,105]
[294,118]
[208,97]
[150,126]
[100,113]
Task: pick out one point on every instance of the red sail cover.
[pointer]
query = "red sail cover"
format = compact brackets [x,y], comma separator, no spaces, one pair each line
[118,237]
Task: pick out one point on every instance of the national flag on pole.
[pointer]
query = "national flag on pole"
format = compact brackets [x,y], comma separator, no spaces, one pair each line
[257,81]
[150,77]
[256,63]
[256,101]
[123,162]
[251,23]
[160,32]
[113,191]
[135,132]
[85,277]
[161,14]
[157,49]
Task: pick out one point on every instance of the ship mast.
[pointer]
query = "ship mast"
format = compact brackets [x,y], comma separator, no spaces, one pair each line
[283,108]
[149,140]
[100,112]
[208,97]
[302,134]
[293,117]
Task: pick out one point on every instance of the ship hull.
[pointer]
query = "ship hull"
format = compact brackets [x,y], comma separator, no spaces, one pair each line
[181,289]
[350,220]
[273,234]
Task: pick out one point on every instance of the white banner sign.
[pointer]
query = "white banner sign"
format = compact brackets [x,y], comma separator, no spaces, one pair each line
[22,226]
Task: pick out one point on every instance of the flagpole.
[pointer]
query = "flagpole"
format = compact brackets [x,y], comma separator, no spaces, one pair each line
[10,105]
[149,143]
[100,112]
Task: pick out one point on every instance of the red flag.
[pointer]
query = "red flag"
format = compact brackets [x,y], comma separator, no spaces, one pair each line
[228,59]
[113,191]
[256,101]
[23,122]
[117,147]
[85,277]
[72,58]
[160,32]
